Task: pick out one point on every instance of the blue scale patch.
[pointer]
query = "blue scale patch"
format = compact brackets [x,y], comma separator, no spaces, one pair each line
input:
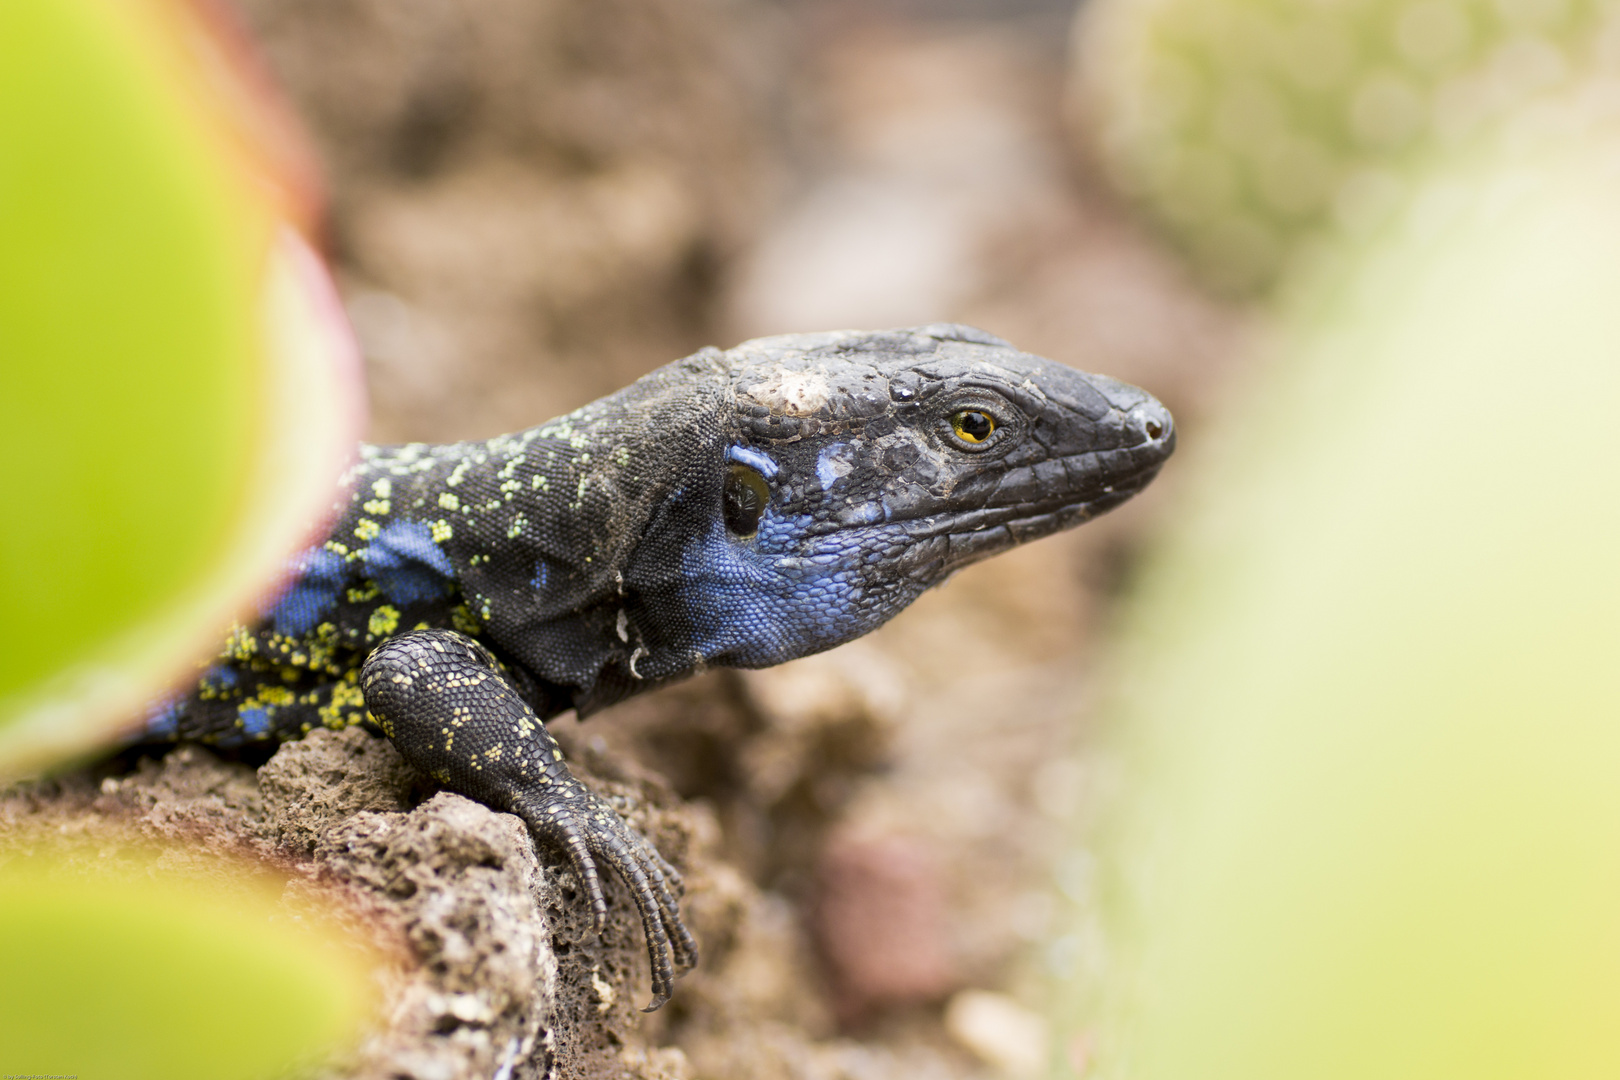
[407,565]
[255,722]
[318,575]
[220,677]
[831,465]
[744,610]
[754,459]
[163,719]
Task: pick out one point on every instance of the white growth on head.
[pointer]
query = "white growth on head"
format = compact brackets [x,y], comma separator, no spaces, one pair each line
[794,393]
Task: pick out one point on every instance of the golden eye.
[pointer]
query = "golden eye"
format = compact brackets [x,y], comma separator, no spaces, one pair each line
[973,426]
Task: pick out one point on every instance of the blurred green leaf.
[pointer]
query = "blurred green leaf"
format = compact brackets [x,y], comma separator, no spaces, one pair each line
[175,409]
[130,338]
[140,975]
[1373,681]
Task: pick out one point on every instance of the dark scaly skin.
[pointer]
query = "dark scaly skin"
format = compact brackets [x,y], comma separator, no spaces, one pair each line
[737,508]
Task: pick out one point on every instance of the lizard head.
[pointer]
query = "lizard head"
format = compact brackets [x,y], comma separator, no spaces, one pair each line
[748,507]
[859,469]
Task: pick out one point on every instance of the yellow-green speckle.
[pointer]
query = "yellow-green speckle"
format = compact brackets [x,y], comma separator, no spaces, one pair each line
[384,621]
[362,593]
[462,621]
[271,695]
[347,705]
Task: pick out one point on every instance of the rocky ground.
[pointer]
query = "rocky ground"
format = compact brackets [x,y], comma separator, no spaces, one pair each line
[534,201]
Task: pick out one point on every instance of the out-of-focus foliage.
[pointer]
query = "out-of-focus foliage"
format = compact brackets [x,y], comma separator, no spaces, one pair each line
[145,974]
[1372,677]
[1375,830]
[177,403]
[1256,130]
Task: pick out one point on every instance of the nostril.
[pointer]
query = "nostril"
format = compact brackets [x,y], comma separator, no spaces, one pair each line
[1154,429]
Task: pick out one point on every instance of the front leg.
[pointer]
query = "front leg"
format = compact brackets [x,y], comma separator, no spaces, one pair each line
[452,713]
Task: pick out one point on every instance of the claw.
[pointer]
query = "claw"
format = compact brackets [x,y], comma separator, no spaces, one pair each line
[590,879]
[590,831]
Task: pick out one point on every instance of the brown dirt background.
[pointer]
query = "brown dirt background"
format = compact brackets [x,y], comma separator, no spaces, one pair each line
[532,203]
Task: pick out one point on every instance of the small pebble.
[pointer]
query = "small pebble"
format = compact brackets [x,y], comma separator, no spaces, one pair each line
[1004,1034]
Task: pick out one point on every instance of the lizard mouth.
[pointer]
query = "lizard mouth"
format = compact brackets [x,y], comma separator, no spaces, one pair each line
[969,522]
[955,539]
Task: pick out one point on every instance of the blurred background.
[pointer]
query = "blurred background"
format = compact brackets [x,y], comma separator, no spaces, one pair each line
[1300,764]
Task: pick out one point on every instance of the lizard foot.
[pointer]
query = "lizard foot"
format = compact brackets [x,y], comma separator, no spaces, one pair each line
[590,831]
[444,701]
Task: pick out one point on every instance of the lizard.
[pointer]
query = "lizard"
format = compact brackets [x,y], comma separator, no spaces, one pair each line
[734,508]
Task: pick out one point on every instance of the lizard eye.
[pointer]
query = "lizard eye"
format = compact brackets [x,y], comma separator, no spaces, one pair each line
[745,497]
[973,426]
